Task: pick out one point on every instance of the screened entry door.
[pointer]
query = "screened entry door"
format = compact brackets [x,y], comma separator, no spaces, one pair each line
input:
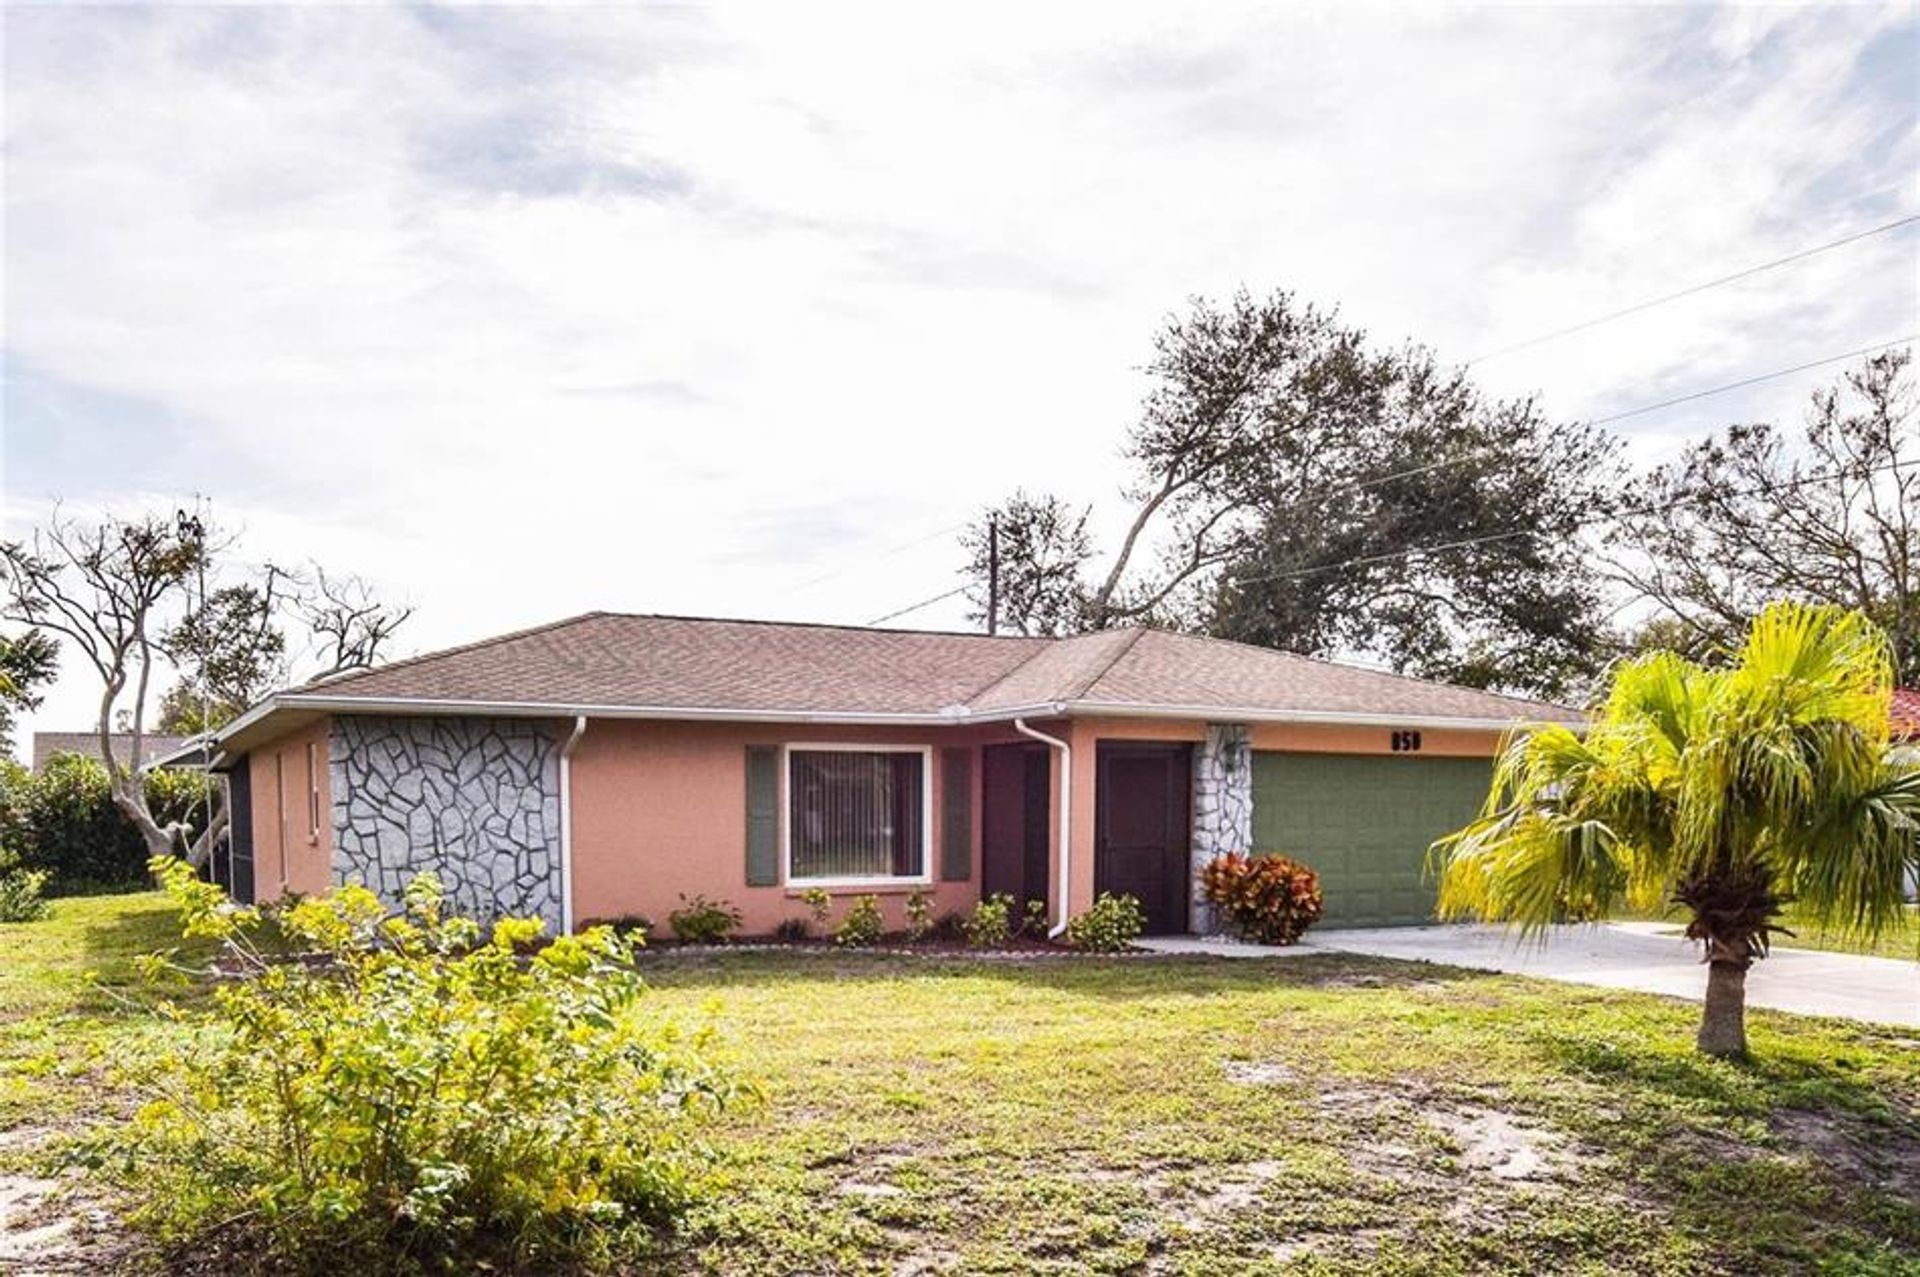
[1142,804]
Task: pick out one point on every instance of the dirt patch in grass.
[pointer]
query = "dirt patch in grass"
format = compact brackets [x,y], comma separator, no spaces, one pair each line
[1885,1155]
[1259,1073]
[50,1227]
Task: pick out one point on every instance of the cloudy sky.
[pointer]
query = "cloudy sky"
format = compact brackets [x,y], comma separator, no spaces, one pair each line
[523,311]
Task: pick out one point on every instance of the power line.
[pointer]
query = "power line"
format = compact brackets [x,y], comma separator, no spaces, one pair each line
[1751,381]
[902,548]
[1444,462]
[1460,458]
[1631,512]
[1650,303]
[938,598]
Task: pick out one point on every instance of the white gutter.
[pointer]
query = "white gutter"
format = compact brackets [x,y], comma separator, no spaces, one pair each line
[956,716]
[566,823]
[1347,718]
[566,709]
[1066,818]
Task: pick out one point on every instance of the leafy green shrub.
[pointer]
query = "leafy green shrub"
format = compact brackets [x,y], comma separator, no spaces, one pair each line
[863,925]
[1110,924]
[16,788]
[792,930]
[991,922]
[428,1101]
[20,891]
[65,822]
[699,920]
[1270,899]
[919,915]
[1035,922]
[819,904]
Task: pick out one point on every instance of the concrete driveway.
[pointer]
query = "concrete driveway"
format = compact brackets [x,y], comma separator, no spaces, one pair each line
[1651,957]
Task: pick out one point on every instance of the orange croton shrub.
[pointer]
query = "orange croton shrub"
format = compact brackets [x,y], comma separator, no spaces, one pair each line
[1270,898]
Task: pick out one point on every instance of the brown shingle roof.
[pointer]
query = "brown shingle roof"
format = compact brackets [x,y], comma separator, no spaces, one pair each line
[1183,669]
[1905,714]
[605,660]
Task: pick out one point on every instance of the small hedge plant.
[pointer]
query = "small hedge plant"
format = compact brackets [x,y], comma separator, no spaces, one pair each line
[991,922]
[1268,898]
[431,1099]
[699,920]
[1110,924]
[919,911]
[20,891]
[863,926]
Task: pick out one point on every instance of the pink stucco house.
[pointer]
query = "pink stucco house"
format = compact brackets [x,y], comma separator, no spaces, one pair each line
[602,766]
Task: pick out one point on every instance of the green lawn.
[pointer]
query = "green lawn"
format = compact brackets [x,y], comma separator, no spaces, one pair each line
[1317,1114]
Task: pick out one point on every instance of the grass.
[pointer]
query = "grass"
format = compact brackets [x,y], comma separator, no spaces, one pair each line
[1318,1114]
[1899,941]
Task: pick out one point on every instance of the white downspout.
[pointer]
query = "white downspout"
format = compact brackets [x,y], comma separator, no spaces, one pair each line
[1066,818]
[566,823]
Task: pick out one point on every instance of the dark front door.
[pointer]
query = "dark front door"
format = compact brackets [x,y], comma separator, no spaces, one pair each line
[1142,799]
[1015,828]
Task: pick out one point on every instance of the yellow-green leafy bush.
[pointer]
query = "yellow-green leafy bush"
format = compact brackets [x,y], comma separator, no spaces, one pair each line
[863,925]
[1110,924]
[420,1098]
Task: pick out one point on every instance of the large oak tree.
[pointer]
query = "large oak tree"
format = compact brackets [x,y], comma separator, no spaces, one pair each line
[1297,486]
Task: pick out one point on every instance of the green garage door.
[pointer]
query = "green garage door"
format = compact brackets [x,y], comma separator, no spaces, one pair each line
[1364,822]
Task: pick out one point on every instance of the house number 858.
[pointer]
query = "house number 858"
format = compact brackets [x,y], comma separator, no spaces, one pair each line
[1406,742]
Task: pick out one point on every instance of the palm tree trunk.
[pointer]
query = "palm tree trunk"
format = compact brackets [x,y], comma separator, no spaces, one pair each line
[1723,1020]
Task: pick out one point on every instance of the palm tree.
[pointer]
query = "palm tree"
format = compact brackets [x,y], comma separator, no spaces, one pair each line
[1729,791]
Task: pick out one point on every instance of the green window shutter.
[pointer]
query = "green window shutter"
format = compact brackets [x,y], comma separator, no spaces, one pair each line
[956,815]
[763,816]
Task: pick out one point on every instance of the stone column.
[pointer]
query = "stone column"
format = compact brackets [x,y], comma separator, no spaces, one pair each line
[1222,808]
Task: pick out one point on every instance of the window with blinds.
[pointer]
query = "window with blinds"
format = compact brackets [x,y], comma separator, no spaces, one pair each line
[856,814]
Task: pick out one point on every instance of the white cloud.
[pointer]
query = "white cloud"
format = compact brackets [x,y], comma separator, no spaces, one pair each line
[529,311]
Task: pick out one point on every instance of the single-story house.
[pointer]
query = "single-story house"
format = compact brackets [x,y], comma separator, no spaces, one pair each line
[48,746]
[603,766]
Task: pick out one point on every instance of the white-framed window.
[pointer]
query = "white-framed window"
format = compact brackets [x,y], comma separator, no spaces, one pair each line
[857,815]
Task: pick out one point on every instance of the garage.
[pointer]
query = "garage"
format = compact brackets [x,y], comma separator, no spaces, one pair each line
[1364,823]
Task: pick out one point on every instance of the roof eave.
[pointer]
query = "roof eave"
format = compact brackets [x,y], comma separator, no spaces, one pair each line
[234,737]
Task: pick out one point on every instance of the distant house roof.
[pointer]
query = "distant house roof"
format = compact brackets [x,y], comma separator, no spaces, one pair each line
[686,667]
[50,745]
[1906,713]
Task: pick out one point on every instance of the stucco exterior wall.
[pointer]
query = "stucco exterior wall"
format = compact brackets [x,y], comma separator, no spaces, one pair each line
[659,809]
[1327,738]
[289,852]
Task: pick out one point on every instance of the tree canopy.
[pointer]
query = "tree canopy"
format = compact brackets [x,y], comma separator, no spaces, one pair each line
[1754,512]
[1282,469]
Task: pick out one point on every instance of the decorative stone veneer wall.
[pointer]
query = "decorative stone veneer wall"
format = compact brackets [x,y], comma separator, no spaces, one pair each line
[1222,807]
[475,800]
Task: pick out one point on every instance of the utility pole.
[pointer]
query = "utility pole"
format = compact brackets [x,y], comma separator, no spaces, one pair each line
[993,574]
